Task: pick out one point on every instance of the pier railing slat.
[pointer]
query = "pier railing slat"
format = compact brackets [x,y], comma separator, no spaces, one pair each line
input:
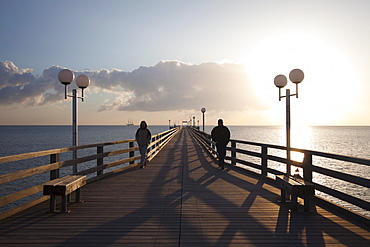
[262,163]
[310,171]
[159,141]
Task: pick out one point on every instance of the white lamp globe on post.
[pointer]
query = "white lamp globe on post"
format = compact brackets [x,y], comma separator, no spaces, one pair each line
[82,82]
[203,110]
[280,81]
[66,77]
[296,76]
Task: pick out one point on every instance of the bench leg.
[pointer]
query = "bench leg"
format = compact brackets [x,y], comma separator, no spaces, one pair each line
[283,195]
[78,195]
[306,204]
[294,203]
[52,203]
[64,204]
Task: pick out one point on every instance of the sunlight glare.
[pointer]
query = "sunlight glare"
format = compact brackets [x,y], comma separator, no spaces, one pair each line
[327,78]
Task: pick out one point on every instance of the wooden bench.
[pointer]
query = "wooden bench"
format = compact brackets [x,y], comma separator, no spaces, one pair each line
[296,187]
[64,187]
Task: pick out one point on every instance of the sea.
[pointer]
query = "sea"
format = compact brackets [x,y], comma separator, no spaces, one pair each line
[344,140]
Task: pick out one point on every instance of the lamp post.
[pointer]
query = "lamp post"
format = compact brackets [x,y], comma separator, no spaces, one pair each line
[203,110]
[66,76]
[280,81]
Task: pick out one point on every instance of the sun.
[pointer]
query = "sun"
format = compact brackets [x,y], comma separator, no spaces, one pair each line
[324,93]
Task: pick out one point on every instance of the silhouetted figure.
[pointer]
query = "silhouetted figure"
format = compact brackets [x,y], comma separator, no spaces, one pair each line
[143,137]
[221,135]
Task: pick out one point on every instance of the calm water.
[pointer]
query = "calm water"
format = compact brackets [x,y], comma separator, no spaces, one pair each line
[22,139]
[345,140]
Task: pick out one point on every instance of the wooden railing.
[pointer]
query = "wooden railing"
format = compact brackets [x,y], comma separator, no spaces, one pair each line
[269,160]
[57,167]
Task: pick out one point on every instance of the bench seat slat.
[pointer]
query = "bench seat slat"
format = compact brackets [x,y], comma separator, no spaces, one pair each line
[54,187]
[68,186]
[49,186]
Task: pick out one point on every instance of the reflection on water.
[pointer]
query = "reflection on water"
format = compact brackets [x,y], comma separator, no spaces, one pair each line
[343,140]
[301,137]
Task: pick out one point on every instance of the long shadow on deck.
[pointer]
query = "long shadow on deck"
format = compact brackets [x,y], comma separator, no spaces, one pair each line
[302,229]
[187,203]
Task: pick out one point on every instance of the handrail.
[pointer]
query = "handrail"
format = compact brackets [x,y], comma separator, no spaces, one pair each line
[311,171]
[95,171]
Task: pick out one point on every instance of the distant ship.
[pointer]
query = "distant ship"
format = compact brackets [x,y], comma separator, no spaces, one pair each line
[130,122]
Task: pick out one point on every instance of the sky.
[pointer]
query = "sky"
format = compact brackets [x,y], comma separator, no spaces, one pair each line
[163,61]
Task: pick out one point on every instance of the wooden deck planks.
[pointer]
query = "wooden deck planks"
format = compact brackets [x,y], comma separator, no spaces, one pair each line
[181,199]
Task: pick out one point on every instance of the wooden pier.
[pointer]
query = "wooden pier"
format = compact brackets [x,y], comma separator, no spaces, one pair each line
[182,199]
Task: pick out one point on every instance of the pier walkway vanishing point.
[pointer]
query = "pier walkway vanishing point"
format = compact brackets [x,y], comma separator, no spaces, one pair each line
[181,199]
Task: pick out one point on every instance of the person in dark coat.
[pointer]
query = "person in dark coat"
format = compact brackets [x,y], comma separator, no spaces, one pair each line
[143,137]
[221,135]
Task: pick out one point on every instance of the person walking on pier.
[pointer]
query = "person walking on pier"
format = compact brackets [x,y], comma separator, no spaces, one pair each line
[221,135]
[143,137]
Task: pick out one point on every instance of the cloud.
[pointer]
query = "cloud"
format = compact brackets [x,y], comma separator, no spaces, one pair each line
[10,75]
[174,85]
[168,85]
[20,87]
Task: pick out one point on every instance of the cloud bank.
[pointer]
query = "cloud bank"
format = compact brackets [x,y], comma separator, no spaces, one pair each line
[168,85]
[20,87]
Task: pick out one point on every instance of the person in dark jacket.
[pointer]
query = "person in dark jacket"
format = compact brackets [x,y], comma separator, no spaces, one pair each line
[143,137]
[221,135]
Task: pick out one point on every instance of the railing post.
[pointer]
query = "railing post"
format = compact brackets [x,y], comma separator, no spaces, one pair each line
[99,161]
[307,166]
[53,159]
[132,153]
[264,161]
[212,146]
[233,153]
